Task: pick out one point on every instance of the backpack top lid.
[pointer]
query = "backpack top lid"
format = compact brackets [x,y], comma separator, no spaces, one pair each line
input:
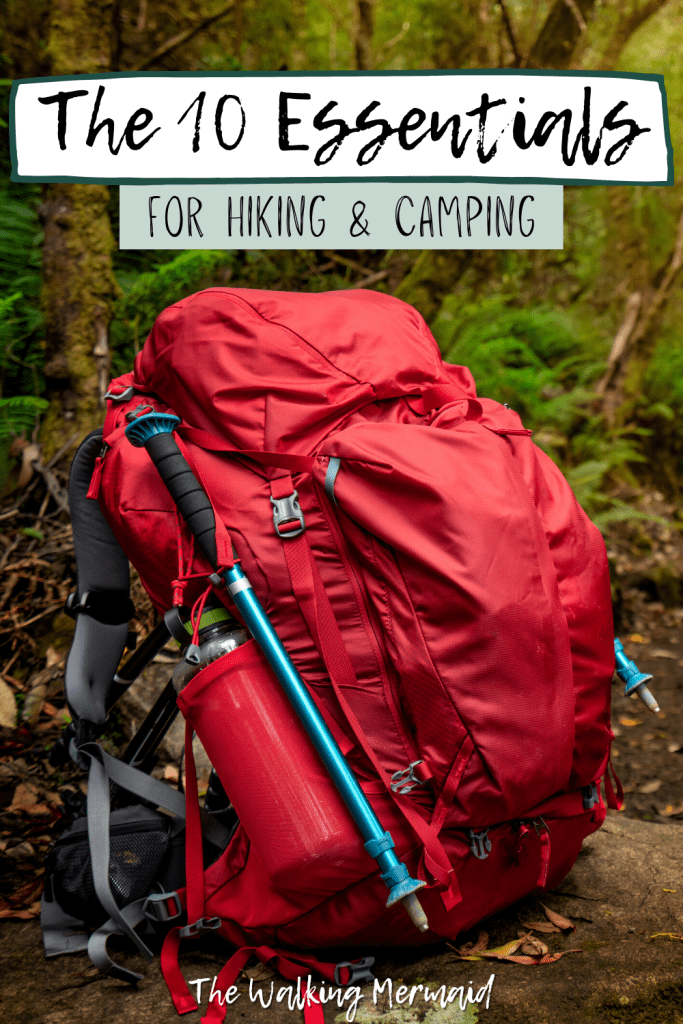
[278,370]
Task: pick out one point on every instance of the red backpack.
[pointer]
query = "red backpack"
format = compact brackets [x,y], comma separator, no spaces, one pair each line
[441,592]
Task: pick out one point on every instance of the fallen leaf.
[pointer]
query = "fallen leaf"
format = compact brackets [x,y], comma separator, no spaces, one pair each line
[636,638]
[558,920]
[542,926]
[650,787]
[669,890]
[669,811]
[667,935]
[21,915]
[630,722]
[475,947]
[533,946]
[8,707]
[259,973]
[24,798]
[21,852]
[660,653]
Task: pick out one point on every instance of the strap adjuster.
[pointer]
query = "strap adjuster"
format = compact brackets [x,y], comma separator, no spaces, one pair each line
[155,907]
[121,396]
[405,780]
[286,514]
[204,924]
[480,844]
[359,972]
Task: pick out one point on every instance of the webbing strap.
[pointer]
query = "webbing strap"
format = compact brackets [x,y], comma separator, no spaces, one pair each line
[194,856]
[155,792]
[310,591]
[449,788]
[544,836]
[98,840]
[615,801]
[290,966]
[133,914]
[212,443]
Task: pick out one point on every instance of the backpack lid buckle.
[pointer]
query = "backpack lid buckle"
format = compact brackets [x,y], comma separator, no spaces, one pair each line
[480,844]
[406,779]
[155,907]
[359,972]
[287,516]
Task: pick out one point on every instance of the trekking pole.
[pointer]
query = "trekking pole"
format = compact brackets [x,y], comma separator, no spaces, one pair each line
[633,678]
[154,431]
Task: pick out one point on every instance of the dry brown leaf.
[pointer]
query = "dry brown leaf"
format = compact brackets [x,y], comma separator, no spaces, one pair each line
[629,722]
[259,973]
[558,920]
[24,798]
[542,926]
[667,935]
[8,707]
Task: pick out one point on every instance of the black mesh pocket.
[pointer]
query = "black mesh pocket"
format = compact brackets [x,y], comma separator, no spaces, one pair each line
[139,839]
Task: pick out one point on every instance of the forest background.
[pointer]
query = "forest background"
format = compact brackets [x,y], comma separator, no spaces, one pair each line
[585,343]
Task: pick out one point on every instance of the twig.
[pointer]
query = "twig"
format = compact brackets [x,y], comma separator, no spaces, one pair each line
[52,485]
[62,451]
[510,34]
[47,611]
[345,261]
[574,8]
[183,37]
[379,276]
[633,304]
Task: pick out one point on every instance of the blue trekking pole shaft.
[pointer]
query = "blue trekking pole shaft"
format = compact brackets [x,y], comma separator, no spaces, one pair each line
[154,431]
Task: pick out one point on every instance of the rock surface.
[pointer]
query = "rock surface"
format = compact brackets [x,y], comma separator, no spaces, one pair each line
[626,886]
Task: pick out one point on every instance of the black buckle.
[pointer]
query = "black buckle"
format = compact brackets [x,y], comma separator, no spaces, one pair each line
[480,844]
[108,606]
[359,972]
[155,907]
[590,796]
[288,510]
[204,924]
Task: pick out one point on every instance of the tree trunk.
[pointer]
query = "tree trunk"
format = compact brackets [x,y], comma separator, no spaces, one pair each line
[561,31]
[78,281]
[365,28]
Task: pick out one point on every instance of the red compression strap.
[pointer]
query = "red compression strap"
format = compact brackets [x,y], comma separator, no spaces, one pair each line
[176,984]
[284,965]
[544,836]
[315,605]
[203,439]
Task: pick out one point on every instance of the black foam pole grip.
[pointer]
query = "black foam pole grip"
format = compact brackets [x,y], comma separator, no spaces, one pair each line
[186,491]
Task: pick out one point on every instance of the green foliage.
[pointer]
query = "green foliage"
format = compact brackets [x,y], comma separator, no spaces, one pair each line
[146,294]
[21,354]
[541,363]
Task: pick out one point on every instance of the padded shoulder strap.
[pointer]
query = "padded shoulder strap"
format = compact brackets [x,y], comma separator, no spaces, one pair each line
[102,569]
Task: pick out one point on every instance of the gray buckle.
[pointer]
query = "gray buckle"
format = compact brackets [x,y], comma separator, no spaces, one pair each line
[121,396]
[480,844]
[288,510]
[155,907]
[590,796]
[405,780]
[204,924]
